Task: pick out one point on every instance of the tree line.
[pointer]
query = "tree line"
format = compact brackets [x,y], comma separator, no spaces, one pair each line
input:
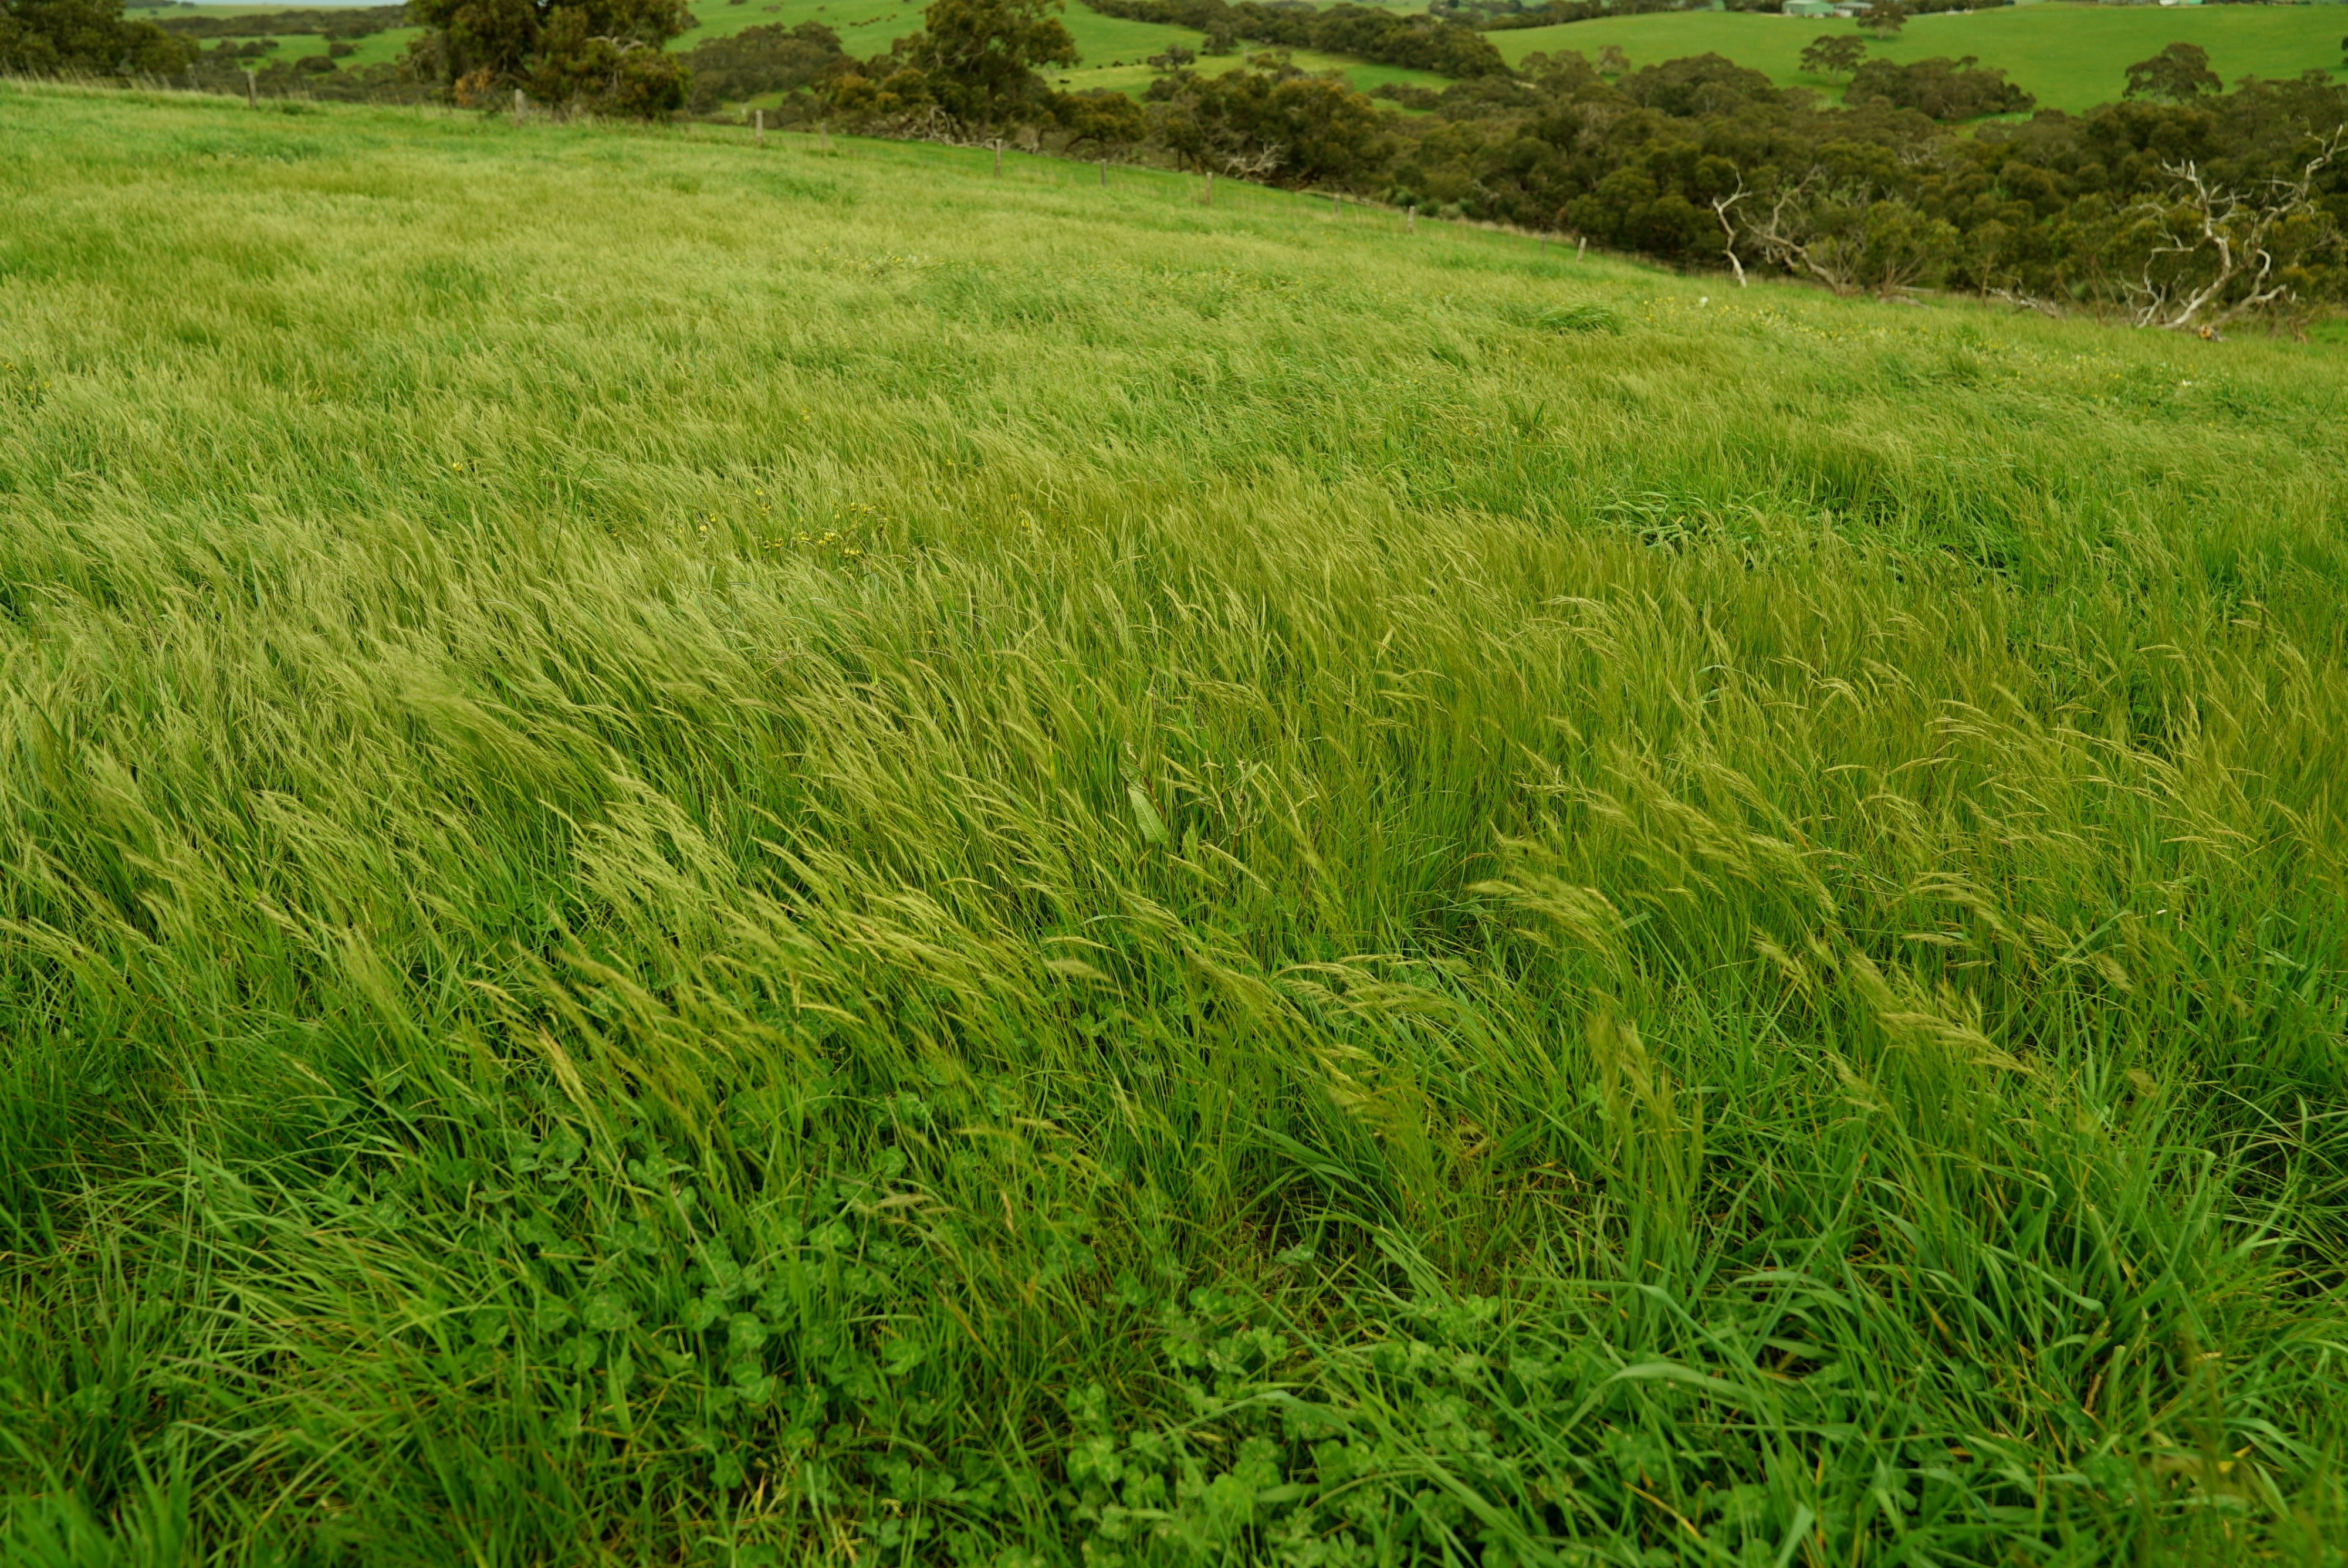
[2180,205]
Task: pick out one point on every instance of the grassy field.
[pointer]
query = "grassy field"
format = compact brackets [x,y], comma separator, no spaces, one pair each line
[714,856]
[2072,56]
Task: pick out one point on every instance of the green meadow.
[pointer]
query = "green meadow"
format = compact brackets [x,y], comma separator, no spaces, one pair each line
[2071,56]
[715,855]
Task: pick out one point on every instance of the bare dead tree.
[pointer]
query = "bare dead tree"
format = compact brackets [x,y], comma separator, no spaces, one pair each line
[1251,162]
[1787,239]
[1720,206]
[2022,302]
[2223,240]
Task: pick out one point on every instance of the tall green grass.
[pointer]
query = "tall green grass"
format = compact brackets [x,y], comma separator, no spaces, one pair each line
[731,857]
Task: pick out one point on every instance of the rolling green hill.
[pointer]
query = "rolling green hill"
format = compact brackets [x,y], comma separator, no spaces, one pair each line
[376,48]
[1112,49]
[714,855]
[2071,56]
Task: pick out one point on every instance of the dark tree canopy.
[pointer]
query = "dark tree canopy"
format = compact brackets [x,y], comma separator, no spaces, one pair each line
[981,55]
[973,66]
[51,37]
[1100,119]
[1941,89]
[1272,123]
[603,56]
[1699,84]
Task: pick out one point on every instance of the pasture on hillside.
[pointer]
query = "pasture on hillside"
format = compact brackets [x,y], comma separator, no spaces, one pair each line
[1113,53]
[726,857]
[376,48]
[2070,57]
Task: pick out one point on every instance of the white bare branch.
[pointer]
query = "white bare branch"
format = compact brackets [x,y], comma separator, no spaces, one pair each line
[2212,261]
[1720,206]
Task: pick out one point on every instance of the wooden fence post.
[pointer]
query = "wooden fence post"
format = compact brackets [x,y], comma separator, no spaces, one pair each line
[998,158]
[1211,187]
[1582,250]
[1104,174]
[1336,204]
[518,105]
[251,90]
[761,115]
[1410,220]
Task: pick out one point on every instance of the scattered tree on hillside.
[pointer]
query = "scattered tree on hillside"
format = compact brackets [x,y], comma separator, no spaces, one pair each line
[1612,61]
[52,37]
[1836,54]
[597,56]
[2178,74]
[1884,19]
[972,69]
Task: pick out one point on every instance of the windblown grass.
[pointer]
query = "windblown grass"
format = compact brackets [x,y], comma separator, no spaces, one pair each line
[717,858]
